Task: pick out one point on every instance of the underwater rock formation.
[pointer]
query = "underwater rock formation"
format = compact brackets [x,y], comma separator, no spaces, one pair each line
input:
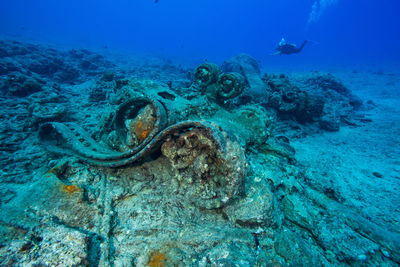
[320,98]
[288,99]
[327,82]
[20,85]
[46,63]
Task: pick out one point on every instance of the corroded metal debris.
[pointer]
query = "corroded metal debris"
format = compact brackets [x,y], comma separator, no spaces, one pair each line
[71,139]
[206,74]
[211,163]
[217,85]
[230,85]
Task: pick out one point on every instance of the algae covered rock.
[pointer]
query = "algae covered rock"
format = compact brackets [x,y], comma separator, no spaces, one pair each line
[37,61]
[330,122]
[256,209]
[327,82]
[291,101]
[54,215]
[230,254]
[27,88]
[21,85]
[41,113]
[141,126]
[102,88]
[297,250]
[38,248]
[279,146]
[312,98]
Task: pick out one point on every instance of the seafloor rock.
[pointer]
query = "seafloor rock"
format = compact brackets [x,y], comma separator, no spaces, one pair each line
[279,146]
[41,113]
[48,63]
[300,254]
[108,76]
[6,195]
[39,248]
[317,97]
[45,106]
[256,209]
[19,153]
[102,89]
[290,101]
[68,75]
[327,82]
[21,85]
[329,122]
[62,199]
[46,66]
[53,214]
[230,254]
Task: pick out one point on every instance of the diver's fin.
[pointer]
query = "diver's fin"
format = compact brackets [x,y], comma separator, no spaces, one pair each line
[312,42]
[275,54]
[302,46]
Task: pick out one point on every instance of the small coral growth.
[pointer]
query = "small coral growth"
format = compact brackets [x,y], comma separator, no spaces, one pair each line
[157,259]
[70,188]
[141,132]
[58,170]
[51,172]
[141,126]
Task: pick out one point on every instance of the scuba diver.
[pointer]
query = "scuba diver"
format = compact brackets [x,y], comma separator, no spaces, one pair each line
[287,49]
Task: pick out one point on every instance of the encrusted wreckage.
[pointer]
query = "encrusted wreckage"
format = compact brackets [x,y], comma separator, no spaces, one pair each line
[201,151]
[156,175]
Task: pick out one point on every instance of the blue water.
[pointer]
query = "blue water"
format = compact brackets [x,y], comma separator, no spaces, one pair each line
[362,31]
[346,181]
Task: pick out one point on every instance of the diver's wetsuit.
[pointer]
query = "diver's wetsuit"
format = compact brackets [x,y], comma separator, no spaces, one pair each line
[287,49]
